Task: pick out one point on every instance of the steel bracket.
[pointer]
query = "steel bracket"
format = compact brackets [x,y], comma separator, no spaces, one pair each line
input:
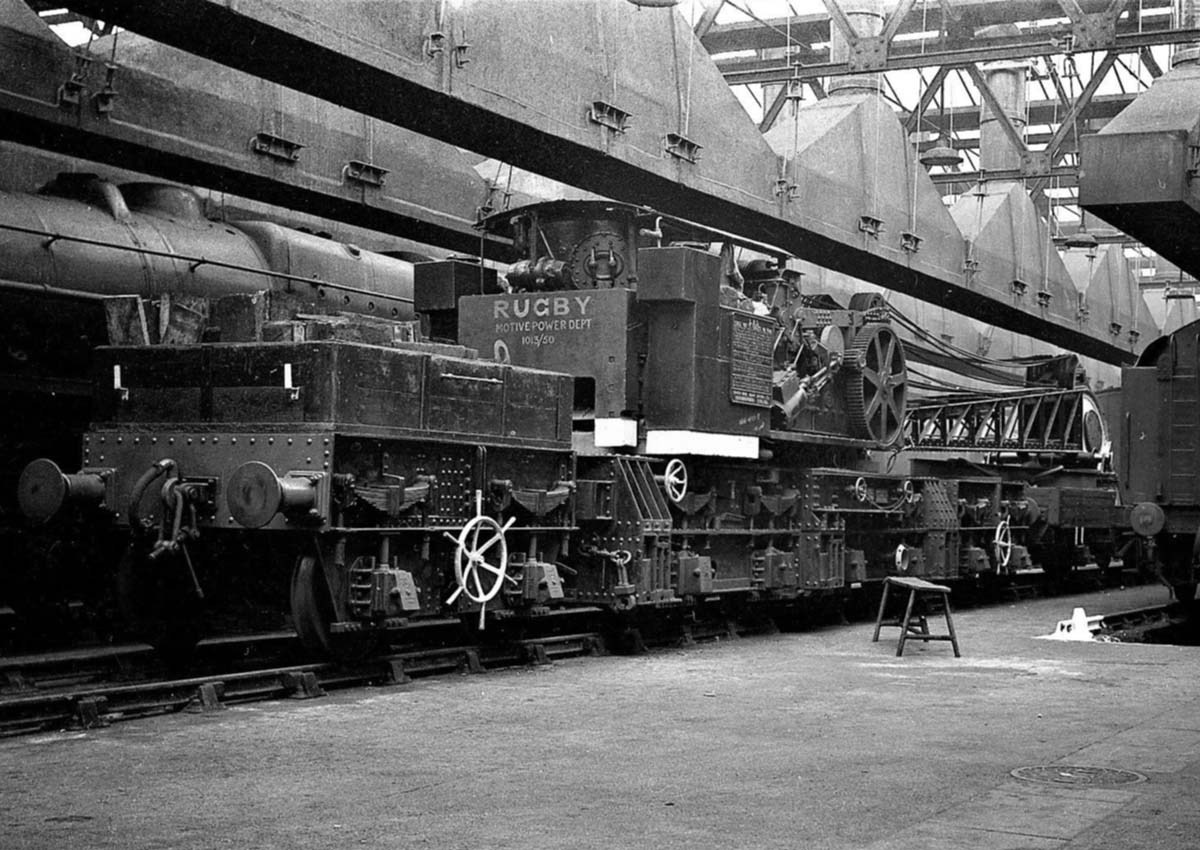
[1114,328]
[606,115]
[1095,30]
[1044,297]
[1134,336]
[1019,287]
[868,53]
[276,147]
[366,173]
[910,242]
[1035,164]
[682,147]
[103,99]
[461,60]
[870,225]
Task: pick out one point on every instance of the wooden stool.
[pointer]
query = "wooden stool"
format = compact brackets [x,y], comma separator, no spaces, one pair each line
[919,630]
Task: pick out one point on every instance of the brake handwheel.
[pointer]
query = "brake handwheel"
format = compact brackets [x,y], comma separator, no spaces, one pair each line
[1002,544]
[675,480]
[477,538]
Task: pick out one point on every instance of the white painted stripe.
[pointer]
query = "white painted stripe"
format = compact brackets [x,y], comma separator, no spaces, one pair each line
[700,443]
[614,431]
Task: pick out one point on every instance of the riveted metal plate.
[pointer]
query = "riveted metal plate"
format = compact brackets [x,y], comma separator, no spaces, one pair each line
[1059,774]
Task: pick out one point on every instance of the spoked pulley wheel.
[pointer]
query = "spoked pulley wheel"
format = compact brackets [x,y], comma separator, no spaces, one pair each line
[876,384]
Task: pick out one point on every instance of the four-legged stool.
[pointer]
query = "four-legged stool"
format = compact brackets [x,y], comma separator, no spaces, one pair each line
[914,625]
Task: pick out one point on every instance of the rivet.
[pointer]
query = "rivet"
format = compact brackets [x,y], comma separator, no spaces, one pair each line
[154,441]
[171,441]
[233,441]
[270,441]
[189,441]
[252,441]
[290,441]
[310,441]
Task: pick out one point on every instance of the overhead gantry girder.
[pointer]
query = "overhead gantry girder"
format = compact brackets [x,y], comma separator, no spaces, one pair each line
[612,116]
[953,41]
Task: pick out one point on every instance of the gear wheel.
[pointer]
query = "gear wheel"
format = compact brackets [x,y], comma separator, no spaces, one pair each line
[876,384]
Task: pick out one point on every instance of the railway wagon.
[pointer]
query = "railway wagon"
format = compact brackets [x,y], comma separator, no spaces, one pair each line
[1158,460]
[380,475]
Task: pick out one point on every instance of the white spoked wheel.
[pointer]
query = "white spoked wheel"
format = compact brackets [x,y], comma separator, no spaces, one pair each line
[675,480]
[479,537]
[1002,544]
[903,558]
[909,491]
[860,489]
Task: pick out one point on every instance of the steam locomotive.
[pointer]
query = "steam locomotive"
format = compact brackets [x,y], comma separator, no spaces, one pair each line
[85,261]
[658,428]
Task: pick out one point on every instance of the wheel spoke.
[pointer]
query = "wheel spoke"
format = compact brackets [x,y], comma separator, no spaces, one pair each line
[478,585]
[491,569]
[872,375]
[479,550]
[874,405]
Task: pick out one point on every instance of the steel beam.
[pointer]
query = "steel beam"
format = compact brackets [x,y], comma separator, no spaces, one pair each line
[956,18]
[485,95]
[178,132]
[1046,41]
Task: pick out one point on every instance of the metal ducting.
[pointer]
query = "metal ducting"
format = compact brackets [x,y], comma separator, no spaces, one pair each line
[1008,241]
[1140,172]
[1181,310]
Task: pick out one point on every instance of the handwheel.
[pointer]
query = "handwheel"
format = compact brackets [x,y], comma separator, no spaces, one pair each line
[1002,544]
[675,480]
[470,560]
[876,384]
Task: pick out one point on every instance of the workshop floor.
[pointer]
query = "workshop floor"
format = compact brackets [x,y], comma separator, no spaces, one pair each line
[812,740]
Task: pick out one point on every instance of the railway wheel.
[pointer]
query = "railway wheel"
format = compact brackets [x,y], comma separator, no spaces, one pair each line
[876,384]
[313,614]
[312,605]
[158,602]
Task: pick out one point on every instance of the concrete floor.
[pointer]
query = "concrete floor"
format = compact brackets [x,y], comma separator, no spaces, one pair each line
[813,740]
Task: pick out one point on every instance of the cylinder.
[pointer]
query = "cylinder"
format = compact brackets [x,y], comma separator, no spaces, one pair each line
[1187,16]
[43,490]
[866,16]
[256,495]
[1007,80]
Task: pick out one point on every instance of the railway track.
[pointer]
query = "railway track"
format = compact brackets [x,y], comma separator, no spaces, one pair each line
[95,687]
